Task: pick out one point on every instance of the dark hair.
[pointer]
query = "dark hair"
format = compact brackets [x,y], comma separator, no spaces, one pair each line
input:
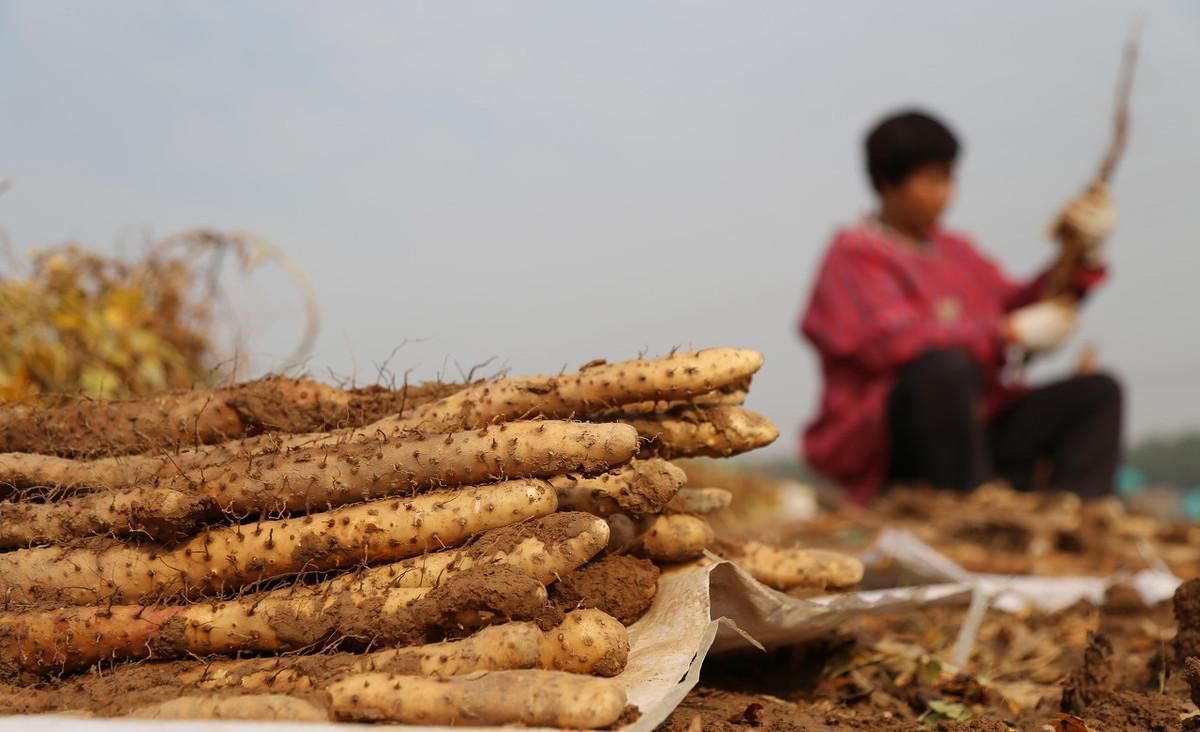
[903,142]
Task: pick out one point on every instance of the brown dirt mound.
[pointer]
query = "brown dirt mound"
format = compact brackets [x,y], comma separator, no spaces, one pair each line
[1092,679]
[478,597]
[1088,694]
[620,585]
[1187,616]
[1129,710]
[1191,674]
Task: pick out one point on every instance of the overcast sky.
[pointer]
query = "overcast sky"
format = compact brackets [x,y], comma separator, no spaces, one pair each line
[551,182]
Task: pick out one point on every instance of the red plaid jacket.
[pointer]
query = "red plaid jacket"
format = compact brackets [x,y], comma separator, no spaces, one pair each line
[878,304]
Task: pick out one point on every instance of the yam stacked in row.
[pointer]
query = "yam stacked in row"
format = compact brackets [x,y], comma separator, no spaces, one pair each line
[373,565]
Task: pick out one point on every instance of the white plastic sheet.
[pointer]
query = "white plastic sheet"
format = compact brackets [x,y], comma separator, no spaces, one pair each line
[921,563]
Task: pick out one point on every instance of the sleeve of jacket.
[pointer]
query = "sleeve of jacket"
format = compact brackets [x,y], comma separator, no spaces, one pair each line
[860,311]
[1019,293]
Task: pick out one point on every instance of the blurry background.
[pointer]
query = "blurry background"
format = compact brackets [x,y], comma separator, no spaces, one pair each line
[545,183]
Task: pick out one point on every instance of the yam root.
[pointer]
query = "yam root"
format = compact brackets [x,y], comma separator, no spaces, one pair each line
[282,620]
[676,537]
[201,417]
[700,501]
[586,642]
[713,432]
[509,646]
[371,403]
[363,406]
[19,470]
[787,569]
[514,645]
[731,396]
[642,487]
[597,386]
[533,698]
[228,558]
[162,514]
[327,477]
[617,584]
[261,707]
[545,548]
[172,420]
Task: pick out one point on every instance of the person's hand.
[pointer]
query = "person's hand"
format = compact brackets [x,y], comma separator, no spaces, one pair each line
[1089,219]
[1042,326]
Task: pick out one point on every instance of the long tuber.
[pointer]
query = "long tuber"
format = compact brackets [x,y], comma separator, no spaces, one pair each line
[711,432]
[319,478]
[675,537]
[508,646]
[36,642]
[642,487]
[545,548]
[789,568]
[533,698]
[257,707]
[172,420]
[585,642]
[163,514]
[227,558]
[594,388]
[700,500]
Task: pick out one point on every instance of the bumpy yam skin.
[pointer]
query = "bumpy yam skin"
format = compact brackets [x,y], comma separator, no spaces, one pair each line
[322,477]
[264,707]
[175,420]
[545,548]
[711,432]
[90,428]
[227,558]
[700,501]
[641,487]
[162,514]
[534,698]
[509,646]
[19,470]
[586,642]
[791,568]
[676,538]
[680,377]
[595,388]
[289,619]
[730,396]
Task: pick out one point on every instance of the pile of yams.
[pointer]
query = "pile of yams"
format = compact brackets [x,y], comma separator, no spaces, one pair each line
[443,554]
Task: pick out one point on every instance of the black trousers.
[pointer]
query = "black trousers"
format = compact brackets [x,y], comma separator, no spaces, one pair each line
[1066,435]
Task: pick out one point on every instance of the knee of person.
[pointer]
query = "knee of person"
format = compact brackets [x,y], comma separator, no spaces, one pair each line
[944,368]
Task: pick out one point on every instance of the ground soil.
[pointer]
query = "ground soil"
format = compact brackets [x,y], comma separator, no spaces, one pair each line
[1098,668]
[997,531]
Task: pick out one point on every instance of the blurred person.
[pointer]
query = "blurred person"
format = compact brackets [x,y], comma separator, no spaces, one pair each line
[916,329]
